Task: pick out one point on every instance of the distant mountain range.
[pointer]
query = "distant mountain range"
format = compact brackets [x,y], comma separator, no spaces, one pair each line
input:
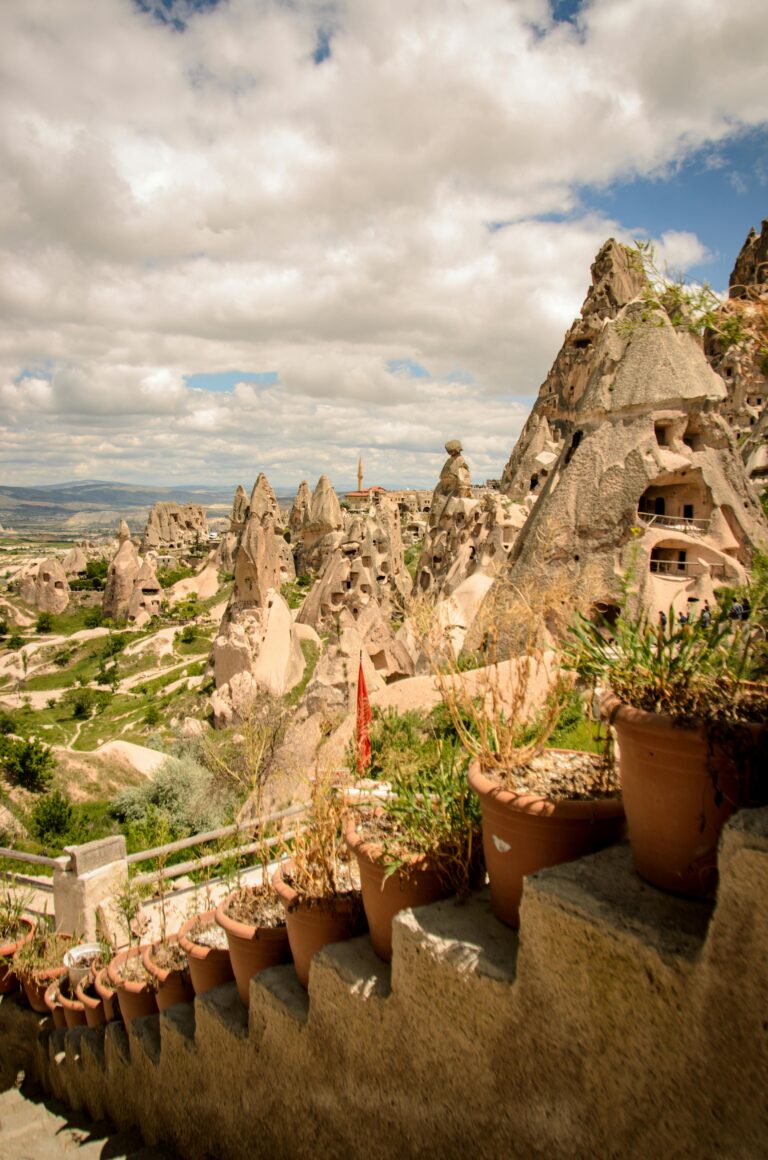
[97,504]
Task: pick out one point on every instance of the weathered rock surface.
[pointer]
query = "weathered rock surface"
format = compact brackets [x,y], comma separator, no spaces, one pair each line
[147,595]
[647,475]
[46,587]
[175,526]
[75,562]
[300,509]
[323,530]
[121,574]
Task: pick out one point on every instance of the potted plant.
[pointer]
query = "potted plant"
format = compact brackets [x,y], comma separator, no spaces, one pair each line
[16,928]
[39,961]
[316,884]
[74,1010]
[53,1005]
[205,944]
[126,972]
[539,806]
[166,960]
[689,704]
[421,841]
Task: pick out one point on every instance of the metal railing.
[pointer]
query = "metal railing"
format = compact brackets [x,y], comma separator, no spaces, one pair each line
[677,523]
[678,568]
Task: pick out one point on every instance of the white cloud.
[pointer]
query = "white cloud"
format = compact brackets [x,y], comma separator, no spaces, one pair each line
[184,203]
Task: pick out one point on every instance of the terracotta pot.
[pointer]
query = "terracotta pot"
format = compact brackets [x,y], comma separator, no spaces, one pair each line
[106,993]
[93,1006]
[313,924]
[172,986]
[523,833]
[53,1005]
[134,998]
[208,966]
[252,948]
[385,896]
[74,1011]
[36,987]
[8,981]
[679,792]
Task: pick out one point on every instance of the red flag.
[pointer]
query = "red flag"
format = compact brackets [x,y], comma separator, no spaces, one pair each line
[363,721]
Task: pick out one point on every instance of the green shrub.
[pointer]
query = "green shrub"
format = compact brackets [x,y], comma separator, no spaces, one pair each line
[85,702]
[152,716]
[51,818]
[3,627]
[93,618]
[188,634]
[16,641]
[44,622]
[7,723]
[185,793]
[28,764]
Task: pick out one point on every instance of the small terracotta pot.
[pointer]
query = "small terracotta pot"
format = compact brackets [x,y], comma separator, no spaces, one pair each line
[208,966]
[679,792]
[172,986]
[93,1007]
[313,924]
[134,998]
[36,987]
[8,981]
[74,1011]
[523,833]
[385,896]
[107,994]
[53,1005]
[252,948]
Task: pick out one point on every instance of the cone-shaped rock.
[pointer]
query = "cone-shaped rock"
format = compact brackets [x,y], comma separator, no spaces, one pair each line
[147,595]
[121,574]
[47,588]
[300,510]
[263,503]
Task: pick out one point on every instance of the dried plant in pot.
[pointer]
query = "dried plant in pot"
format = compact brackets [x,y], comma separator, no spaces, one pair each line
[39,961]
[205,944]
[53,1005]
[689,705]
[166,960]
[421,841]
[74,1010]
[16,928]
[132,982]
[540,807]
[317,884]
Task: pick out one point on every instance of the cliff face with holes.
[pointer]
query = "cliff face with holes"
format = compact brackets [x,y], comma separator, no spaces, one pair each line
[629,460]
[620,1022]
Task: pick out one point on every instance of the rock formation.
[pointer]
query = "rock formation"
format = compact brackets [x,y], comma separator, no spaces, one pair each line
[227,549]
[75,562]
[300,510]
[738,350]
[123,532]
[147,595]
[323,530]
[171,526]
[121,574]
[465,533]
[46,587]
[647,477]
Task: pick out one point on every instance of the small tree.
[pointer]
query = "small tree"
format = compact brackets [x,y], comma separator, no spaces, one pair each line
[44,622]
[51,817]
[28,764]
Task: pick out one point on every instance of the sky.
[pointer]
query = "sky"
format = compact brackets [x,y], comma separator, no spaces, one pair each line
[274,235]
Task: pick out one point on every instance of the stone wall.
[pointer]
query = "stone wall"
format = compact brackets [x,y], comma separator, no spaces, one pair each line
[621,1022]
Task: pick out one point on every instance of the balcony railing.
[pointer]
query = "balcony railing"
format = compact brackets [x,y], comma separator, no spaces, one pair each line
[676,523]
[679,569]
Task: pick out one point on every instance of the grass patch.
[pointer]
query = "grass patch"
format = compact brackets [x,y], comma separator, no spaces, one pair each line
[311,653]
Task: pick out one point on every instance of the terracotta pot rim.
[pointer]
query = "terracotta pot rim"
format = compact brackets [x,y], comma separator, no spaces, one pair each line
[101,979]
[160,973]
[48,997]
[535,805]
[68,1004]
[243,930]
[7,950]
[613,707]
[128,985]
[372,852]
[293,903]
[196,950]
[87,1001]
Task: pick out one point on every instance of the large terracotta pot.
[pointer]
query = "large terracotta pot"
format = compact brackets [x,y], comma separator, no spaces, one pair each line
[385,896]
[93,1007]
[107,994]
[208,966]
[313,924]
[679,791]
[53,1006]
[74,1011]
[36,986]
[172,986]
[523,833]
[252,948]
[8,981]
[134,998]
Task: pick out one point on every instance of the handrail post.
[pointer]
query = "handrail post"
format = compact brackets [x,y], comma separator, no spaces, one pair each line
[84,878]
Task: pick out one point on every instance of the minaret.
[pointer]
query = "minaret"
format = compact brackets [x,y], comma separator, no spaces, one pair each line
[360,474]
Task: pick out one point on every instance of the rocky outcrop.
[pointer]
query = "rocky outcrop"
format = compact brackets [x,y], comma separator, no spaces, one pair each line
[174,526]
[46,587]
[147,596]
[737,348]
[121,574]
[648,476]
[75,562]
[300,509]
[123,532]
[227,549]
[239,509]
[323,530]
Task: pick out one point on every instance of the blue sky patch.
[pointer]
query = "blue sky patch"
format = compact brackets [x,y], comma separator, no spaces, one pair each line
[226,380]
[41,370]
[322,45]
[174,13]
[407,366]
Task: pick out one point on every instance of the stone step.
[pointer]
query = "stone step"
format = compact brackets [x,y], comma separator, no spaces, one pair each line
[34,1128]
